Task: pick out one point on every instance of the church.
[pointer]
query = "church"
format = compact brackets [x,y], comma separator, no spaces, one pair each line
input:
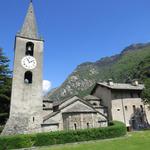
[30,112]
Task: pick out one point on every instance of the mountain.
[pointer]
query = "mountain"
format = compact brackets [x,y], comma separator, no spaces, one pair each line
[121,68]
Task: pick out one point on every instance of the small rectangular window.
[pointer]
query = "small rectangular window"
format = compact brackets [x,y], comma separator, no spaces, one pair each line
[134,108]
[126,108]
[141,106]
[33,119]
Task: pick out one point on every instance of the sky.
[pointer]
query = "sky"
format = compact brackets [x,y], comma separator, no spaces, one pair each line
[76,31]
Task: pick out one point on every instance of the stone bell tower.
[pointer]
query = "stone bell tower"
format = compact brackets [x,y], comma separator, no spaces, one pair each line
[26,99]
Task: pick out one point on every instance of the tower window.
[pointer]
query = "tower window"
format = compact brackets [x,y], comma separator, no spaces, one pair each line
[28,77]
[30,48]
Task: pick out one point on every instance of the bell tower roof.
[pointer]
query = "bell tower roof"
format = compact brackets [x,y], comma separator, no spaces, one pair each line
[29,28]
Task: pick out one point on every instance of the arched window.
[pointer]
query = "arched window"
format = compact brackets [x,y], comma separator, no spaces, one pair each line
[28,77]
[29,49]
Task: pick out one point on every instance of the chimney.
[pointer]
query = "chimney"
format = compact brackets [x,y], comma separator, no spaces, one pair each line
[135,82]
[110,82]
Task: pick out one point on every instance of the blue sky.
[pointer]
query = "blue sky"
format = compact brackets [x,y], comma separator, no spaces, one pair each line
[76,31]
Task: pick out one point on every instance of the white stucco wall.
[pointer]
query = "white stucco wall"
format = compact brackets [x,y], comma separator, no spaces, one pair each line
[120,113]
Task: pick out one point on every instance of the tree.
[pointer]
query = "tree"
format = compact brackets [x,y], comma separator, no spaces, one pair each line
[143,74]
[146,91]
[5,87]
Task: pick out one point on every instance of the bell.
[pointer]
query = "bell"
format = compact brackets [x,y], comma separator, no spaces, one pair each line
[29,48]
[26,81]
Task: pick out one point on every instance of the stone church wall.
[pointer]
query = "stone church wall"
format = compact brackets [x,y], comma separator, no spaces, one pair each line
[75,121]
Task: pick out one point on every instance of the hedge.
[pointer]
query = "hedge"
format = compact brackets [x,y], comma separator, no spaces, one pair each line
[60,137]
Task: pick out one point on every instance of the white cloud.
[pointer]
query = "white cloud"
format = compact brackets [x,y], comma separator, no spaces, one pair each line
[46,86]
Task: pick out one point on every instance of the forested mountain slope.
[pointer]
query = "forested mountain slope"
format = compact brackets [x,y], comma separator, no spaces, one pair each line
[121,68]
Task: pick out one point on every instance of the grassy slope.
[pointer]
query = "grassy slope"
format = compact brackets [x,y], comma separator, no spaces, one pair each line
[134,141]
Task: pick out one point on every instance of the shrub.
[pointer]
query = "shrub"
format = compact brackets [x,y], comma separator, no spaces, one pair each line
[61,137]
[1,128]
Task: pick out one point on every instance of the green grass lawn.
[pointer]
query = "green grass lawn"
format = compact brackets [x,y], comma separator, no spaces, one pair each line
[133,141]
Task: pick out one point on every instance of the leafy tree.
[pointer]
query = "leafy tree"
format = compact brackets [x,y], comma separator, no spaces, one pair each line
[146,92]
[5,87]
[146,95]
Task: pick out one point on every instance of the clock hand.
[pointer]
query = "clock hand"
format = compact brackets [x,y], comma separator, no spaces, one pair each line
[32,61]
[28,60]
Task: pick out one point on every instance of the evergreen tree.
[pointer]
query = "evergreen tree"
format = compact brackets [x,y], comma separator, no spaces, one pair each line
[5,87]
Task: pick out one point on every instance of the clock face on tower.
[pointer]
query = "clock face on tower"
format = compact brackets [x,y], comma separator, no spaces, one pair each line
[28,62]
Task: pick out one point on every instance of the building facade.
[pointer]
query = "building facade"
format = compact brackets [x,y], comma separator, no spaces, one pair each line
[73,113]
[124,103]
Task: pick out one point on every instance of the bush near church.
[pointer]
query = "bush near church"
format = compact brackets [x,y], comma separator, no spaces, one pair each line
[117,129]
[1,128]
